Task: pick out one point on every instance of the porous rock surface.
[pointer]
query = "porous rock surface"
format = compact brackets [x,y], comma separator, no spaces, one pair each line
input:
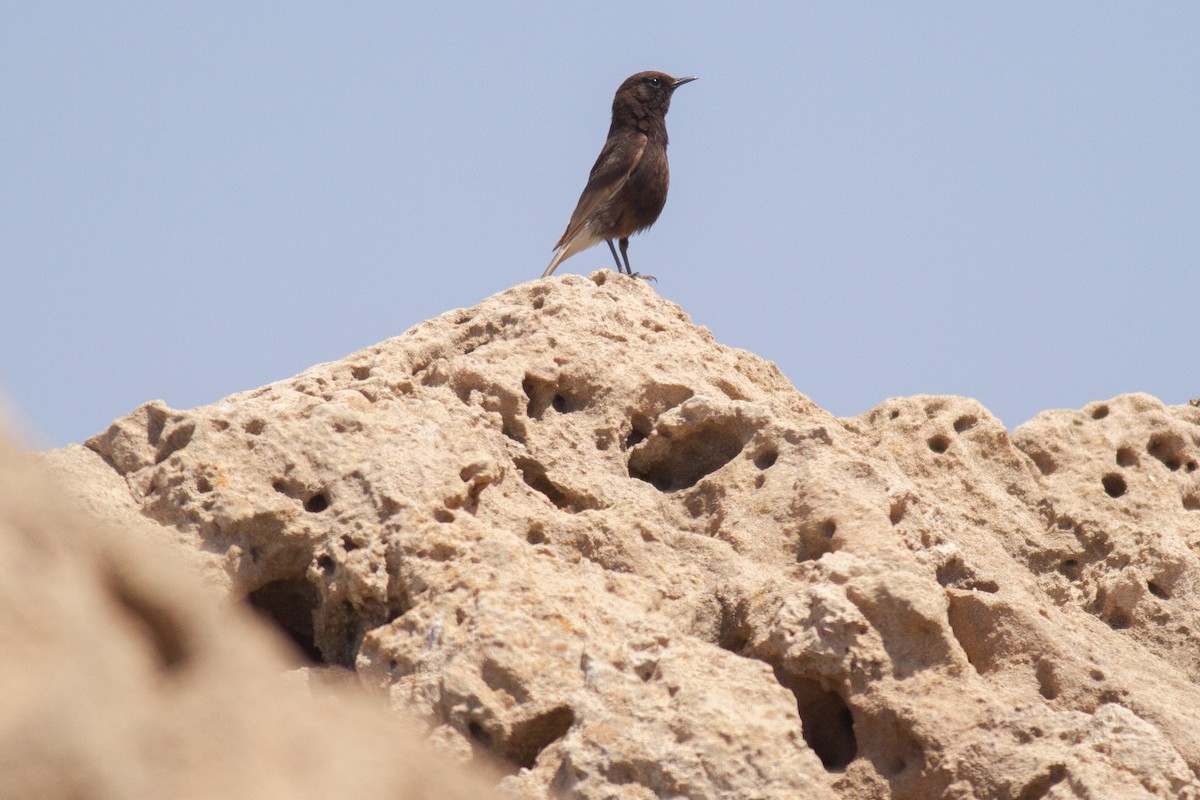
[123,676]
[567,528]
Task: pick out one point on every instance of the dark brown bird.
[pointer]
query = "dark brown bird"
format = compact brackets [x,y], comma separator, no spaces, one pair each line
[627,188]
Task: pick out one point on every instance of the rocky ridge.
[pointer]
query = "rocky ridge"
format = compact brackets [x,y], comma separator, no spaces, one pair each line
[569,530]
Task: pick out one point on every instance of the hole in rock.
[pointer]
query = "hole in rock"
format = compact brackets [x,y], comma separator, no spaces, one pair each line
[513,428]
[727,388]
[463,392]
[733,640]
[164,633]
[1118,619]
[1100,412]
[1040,786]
[939,443]
[155,423]
[174,440]
[341,629]
[965,423]
[1157,590]
[1069,568]
[1127,457]
[535,535]
[443,515]
[696,451]
[734,634]
[534,475]
[639,430]
[360,373]
[899,508]
[544,394]
[1191,501]
[399,603]
[827,722]
[528,739]
[1047,679]
[972,623]
[326,564]
[816,539]
[1114,484]
[540,393]
[766,458]
[254,427]
[1167,448]
[482,737]
[1043,461]
[348,544]
[704,503]
[290,603]
[954,573]
[317,503]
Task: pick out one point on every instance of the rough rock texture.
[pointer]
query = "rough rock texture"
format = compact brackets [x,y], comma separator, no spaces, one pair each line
[1122,480]
[123,676]
[569,529]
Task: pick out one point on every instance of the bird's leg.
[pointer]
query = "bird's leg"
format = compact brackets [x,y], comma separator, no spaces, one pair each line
[614,252]
[625,255]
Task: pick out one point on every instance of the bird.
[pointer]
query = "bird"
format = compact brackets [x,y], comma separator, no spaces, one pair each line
[627,187]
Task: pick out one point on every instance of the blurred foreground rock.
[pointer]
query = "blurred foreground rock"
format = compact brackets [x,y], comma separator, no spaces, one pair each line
[124,676]
[569,530]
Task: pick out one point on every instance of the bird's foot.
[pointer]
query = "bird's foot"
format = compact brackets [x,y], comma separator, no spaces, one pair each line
[649,278]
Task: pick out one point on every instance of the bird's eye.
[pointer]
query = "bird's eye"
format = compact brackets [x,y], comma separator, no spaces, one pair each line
[656,82]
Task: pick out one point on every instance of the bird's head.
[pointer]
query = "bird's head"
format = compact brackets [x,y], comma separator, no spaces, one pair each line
[647,93]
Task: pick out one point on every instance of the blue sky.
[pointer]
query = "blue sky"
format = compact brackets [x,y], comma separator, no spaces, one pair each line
[993,200]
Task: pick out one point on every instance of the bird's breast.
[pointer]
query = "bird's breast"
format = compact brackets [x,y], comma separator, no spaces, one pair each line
[644,194]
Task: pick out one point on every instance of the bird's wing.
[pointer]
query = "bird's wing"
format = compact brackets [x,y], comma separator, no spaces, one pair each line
[617,160]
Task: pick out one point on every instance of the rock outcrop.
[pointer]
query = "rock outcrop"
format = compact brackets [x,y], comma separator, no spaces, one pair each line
[569,530]
[124,676]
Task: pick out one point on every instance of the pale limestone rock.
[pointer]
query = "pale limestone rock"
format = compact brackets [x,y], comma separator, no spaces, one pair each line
[1122,479]
[124,677]
[568,528]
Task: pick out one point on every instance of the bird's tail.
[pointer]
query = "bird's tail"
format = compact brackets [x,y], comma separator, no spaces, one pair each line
[559,257]
[579,242]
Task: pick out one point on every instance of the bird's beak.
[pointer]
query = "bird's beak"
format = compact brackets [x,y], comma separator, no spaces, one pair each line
[681,81]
